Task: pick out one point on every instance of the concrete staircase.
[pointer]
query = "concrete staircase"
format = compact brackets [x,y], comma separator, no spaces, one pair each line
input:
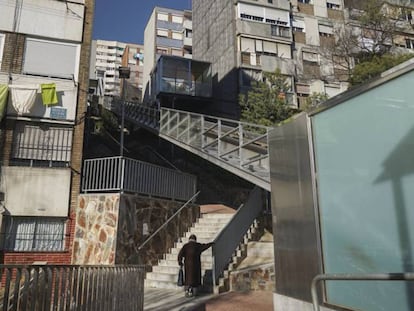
[207,227]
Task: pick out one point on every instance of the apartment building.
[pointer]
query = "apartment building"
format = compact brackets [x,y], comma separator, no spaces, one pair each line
[44,83]
[168,32]
[133,58]
[106,57]
[241,39]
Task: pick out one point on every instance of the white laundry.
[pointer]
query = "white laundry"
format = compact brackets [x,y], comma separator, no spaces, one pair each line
[23,97]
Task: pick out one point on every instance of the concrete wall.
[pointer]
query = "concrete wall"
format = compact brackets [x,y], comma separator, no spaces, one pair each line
[45,18]
[33,191]
[149,52]
[214,41]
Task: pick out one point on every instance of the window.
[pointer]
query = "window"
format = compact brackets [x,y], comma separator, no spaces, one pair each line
[176,52]
[162,51]
[51,58]
[409,43]
[177,35]
[28,234]
[269,1]
[406,14]
[41,145]
[251,17]
[310,57]
[162,33]
[280,31]
[2,39]
[162,17]
[333,6]
[177,19]
[305,1]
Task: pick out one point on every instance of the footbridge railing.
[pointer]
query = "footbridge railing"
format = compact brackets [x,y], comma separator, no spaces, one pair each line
[238,147]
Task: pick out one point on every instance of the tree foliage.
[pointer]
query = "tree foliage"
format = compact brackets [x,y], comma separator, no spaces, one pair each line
[374,67]
[315,100]
[266,103]
[360,45]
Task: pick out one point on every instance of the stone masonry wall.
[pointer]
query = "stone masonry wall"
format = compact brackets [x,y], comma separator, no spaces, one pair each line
[139,217]
[95,231]
[110,228]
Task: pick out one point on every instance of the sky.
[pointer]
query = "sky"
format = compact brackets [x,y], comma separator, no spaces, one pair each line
[125,20]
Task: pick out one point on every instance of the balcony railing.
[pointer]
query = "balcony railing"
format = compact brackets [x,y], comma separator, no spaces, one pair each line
[120,174]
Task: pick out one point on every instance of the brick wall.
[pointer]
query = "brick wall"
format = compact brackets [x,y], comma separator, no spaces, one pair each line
[78,133]
[305,8]
[13,53]
[12,62]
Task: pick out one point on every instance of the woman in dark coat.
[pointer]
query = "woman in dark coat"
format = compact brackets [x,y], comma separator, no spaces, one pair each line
[191,253]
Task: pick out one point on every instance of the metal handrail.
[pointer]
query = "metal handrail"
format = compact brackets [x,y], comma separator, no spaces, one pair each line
[232,234]
[409,276]
[169,219]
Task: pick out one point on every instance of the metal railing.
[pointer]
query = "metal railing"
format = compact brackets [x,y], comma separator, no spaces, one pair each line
[355,277]
[230,237]
[142,114]
[241,148]
[67,288]
[129,175]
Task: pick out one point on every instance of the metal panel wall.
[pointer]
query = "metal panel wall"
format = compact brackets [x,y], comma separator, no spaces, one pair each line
[297,258]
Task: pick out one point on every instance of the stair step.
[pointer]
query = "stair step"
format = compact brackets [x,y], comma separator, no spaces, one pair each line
[159,284]
[204,257]
[162,276]
[217,215]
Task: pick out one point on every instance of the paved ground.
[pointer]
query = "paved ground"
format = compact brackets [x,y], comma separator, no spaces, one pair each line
[174,300]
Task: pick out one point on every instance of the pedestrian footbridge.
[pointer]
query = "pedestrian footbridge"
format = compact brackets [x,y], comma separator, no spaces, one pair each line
[238,147]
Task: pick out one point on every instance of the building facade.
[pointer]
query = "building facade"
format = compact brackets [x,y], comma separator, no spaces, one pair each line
[169,32]
[43,78]
[133,58]
[108,56]
[241,39]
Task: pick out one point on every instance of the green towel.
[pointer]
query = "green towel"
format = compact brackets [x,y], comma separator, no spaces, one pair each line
[49,95]
[4,91]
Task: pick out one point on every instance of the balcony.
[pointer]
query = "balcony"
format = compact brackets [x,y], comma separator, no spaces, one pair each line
[184,76]
[120,174]
[188,42]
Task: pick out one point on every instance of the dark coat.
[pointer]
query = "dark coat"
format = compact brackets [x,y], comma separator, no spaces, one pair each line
[191,253]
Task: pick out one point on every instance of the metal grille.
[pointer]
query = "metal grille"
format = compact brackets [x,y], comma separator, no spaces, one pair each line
[42,142]
[34,234]
[67,288]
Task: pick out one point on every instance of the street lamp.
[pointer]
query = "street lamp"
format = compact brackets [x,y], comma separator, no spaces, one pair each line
[124,73]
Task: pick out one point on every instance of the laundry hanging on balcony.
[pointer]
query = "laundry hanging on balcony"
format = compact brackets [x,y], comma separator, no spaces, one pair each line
[49,95]
[23,97]
[4,91]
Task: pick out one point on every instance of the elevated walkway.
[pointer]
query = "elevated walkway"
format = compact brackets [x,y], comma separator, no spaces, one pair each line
[240,148]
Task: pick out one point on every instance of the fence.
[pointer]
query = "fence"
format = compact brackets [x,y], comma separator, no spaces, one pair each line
[128,175]
[64,288]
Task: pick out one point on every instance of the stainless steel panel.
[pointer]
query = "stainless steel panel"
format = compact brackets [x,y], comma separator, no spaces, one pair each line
[297,258]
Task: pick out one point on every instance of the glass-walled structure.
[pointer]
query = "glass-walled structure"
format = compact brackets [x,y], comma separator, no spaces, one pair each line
[177,75]
[343,199]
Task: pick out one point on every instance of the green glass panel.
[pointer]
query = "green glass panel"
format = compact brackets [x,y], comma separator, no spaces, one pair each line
[364,154]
